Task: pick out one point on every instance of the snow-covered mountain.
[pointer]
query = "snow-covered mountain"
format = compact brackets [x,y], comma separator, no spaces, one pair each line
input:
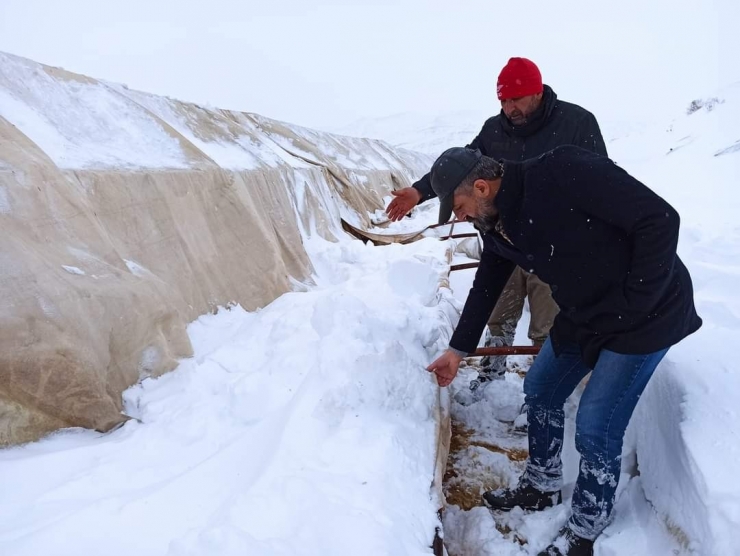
[427,133]
[433,133]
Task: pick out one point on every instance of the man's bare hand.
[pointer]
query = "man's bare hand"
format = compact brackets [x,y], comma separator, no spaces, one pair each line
[405,199]
[445,367]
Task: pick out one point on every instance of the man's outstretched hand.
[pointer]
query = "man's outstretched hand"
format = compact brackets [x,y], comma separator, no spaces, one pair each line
[445,367]
[405,199]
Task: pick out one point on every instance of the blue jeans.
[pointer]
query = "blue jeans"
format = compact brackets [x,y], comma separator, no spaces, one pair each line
[606,406]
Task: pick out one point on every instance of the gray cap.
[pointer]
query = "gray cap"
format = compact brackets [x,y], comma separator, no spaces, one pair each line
[448,172]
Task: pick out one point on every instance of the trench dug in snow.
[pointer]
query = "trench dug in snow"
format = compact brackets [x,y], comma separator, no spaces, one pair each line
[488,451]
[467,474]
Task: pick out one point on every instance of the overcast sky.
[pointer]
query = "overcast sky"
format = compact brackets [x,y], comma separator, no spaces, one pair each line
[326,64]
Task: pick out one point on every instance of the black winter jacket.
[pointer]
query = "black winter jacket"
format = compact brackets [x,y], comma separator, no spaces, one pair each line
[555,123]
[603,241]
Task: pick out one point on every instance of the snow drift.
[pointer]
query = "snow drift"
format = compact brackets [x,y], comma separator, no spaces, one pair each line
[307,427]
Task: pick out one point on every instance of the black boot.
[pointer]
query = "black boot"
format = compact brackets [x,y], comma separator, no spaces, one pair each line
[525,496]
[567,543]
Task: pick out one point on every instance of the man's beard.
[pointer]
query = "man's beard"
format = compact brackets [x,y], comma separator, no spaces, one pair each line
[487,216]
[518,117]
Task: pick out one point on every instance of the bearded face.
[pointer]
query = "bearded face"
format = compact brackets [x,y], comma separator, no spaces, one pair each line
[486,217]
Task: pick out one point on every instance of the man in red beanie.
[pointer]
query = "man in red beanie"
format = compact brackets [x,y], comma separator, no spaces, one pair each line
[532,121]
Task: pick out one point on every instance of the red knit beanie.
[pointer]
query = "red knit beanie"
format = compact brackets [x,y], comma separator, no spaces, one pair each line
[519,78]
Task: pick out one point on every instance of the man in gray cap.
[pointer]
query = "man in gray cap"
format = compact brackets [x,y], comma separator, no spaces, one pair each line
[606,246]
[533,120]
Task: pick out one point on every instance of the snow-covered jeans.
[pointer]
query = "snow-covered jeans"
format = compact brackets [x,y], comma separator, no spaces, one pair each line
[604,411]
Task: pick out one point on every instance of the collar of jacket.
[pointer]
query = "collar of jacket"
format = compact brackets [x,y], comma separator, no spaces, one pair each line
[508,198]
[536,120]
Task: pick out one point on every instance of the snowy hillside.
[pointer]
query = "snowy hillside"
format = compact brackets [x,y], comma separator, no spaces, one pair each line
[433,133]
[687,431]
[426,133]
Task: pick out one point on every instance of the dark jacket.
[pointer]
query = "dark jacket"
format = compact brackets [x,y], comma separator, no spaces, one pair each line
[555,123]
[603,241]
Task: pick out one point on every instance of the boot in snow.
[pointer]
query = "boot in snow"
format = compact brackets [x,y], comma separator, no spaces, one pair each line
[524,495]
[567,543]
[492,368]
[477,389]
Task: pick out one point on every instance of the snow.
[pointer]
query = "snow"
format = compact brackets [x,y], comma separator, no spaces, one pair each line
[136,269]
[431,134]
[227,145]
[686,431]
[5,206]
[419,218]
[73,270]
[307,427]
[83,124]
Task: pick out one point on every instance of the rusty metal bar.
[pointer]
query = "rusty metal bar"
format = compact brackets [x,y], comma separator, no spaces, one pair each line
[451,222]
[463,266]
[458,236]
[507,350]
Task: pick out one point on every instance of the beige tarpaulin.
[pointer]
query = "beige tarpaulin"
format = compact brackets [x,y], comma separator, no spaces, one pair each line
[124,216]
